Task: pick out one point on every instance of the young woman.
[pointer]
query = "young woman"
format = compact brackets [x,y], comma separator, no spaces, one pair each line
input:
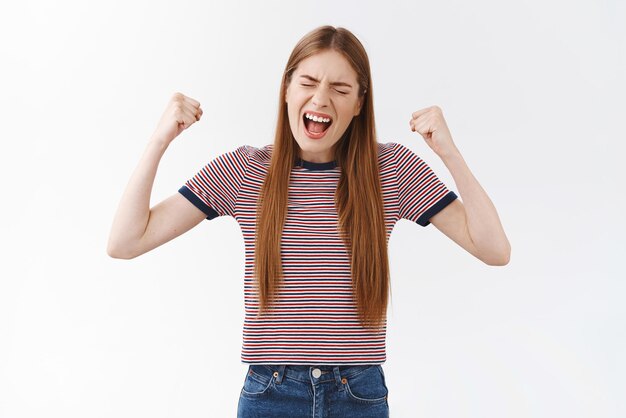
[316,209]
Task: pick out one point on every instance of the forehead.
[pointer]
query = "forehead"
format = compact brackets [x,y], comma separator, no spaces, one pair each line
[327,64]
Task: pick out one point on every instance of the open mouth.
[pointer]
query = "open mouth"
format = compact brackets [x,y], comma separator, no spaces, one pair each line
[316,127]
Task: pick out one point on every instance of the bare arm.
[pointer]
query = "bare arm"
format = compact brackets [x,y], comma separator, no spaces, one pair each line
[136,227]
[474,223]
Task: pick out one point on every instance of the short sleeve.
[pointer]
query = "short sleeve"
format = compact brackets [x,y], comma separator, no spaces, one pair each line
[214,189]
[420,192]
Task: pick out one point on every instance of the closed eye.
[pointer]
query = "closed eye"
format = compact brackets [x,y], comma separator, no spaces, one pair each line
[311,85]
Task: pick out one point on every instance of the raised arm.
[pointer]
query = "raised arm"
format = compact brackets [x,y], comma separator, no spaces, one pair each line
[136,227]
[474,223]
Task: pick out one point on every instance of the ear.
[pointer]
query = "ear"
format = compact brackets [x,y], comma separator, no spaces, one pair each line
[358,106]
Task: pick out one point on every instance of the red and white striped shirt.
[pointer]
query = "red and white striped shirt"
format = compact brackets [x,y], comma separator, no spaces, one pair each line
[315,320]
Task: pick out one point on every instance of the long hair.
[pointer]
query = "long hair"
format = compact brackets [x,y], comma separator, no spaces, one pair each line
[358,197]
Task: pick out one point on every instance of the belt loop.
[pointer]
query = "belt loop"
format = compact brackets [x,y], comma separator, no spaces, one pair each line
[280,373]
[337,374]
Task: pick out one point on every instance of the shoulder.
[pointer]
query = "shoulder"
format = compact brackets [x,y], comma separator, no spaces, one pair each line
[402,156]
[386,147]
[248,156]
[393,149]
[252,153]
[387,153]
[260,156]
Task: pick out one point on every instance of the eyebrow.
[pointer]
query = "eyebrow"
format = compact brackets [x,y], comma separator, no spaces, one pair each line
[337,83]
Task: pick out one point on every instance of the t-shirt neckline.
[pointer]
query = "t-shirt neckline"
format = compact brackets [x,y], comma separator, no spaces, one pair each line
[309,165]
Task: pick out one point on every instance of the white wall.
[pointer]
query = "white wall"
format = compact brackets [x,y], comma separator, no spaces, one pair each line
[533,93]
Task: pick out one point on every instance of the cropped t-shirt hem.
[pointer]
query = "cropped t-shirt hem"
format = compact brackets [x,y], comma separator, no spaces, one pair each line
[315,363]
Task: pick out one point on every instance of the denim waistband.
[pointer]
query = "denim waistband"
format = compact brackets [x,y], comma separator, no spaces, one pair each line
[304,373]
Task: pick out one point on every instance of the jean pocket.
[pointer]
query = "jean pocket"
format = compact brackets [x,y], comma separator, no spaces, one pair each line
[258,381]
[367,386]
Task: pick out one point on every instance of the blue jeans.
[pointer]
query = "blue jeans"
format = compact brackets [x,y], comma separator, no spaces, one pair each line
[323,391]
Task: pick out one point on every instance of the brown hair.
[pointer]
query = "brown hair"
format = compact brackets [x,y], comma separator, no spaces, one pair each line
[358,197]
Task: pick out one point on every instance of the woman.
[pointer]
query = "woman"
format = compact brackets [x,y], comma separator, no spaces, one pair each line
[316,209]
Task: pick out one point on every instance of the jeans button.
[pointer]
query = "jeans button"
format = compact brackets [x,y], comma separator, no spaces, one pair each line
[317,373]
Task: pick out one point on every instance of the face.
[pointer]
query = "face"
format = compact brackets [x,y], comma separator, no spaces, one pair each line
[324,87]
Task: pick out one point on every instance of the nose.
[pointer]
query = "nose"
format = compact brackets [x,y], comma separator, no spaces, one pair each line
[320,97]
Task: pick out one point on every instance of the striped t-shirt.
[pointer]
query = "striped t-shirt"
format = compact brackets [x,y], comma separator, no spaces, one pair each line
[315,319]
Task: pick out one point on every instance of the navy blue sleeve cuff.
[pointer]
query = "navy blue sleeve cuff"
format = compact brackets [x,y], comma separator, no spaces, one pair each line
[210,212]
[433,210]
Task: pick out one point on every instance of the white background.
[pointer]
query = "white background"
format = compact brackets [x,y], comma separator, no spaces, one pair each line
[534,95]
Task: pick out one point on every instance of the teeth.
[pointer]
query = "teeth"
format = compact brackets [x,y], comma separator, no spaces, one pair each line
[316,118]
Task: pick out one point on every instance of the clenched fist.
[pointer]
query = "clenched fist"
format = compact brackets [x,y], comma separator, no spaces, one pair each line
[431,124]
[180,114]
